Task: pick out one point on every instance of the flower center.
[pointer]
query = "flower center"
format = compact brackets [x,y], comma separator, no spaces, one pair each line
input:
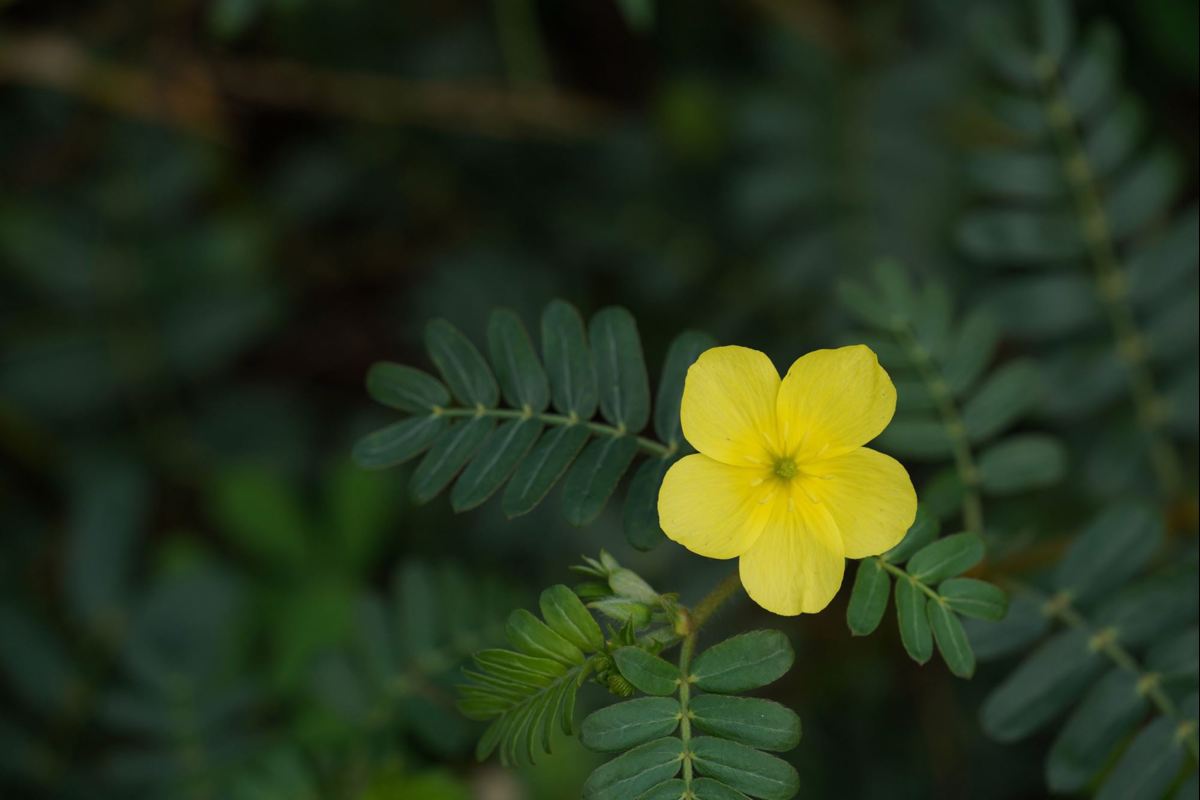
[786,468]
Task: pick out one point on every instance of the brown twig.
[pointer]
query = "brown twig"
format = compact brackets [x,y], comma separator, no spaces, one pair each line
[192,94]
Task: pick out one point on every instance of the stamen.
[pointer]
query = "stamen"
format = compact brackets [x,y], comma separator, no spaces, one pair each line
[786,468]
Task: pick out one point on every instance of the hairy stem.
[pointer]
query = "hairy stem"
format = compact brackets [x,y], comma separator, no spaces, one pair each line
[938,389]
[1060,609]
[645,444]
[1110,279]
[693,621]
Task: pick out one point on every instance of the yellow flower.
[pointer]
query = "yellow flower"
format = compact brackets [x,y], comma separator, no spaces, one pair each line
[782,480]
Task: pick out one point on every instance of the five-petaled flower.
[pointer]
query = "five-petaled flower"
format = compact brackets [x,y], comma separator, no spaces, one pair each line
[782,479]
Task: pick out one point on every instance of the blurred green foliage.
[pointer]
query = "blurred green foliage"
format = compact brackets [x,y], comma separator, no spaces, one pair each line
[216,214]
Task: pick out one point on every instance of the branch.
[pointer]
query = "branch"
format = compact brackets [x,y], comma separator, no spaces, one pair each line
[190,94]
[1109,276]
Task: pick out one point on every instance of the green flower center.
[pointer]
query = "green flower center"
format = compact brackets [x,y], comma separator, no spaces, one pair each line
[786,468]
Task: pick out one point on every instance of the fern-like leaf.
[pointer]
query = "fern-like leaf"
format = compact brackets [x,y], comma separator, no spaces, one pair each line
[544,428]
[696,723]
[1124,652]
[1075,218]
[530,691]
[950,407]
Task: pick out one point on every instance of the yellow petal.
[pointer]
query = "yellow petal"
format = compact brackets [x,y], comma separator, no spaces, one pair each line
[713,509]
[728,409]
[796,565]
[833,401]
[870,497]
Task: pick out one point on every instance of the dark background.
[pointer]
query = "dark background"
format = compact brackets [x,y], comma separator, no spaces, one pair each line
[214,216]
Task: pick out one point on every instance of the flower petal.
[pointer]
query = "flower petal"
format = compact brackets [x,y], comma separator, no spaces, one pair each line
[713,509]
[833,401]
[796,566]
[728,409]
[870,497]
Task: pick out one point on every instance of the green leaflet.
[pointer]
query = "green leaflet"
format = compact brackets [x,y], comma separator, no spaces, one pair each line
[1107,714]
[647,672]
[743,662]
[947,557]
[1023,624]
[463,368]
[634,772]
[405,388]
[1114,547]
[566,614]
[1177,659]
[530,635]
[974,598]
[640,520]
[568,361]
[621,377]
[763,724]
[1054,26]
[1151,608]
[595,475]
[398,442]
[1159,268]
[673,789]
[1142,193]
[494,462]
[542,468]
[1005,396]
[915,633]
[451,450]
[624,725]
[1016,175]
[683,352]
[745,769]
[925,529]
[1020,237]
[1148,766]
[107,516]
[702,789]
[917,438]
[522,379]
[1020,463]
[868,599]
[951,639]
[970,352]
[1043,307]
[708,789]
[1045,683]
[261,515]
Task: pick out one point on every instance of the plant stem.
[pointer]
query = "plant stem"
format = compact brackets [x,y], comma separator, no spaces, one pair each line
[964,461]
[695,619]
[685,695]
[645,444]
[1059,608]
[902,574]
[714,600]
[1110,280]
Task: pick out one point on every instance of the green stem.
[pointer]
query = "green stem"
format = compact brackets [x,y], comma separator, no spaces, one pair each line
[714,600]
[902,574]
[1110,280]
[644,443]
[1105,641]
[938,389]
[693,621]
[685,695]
